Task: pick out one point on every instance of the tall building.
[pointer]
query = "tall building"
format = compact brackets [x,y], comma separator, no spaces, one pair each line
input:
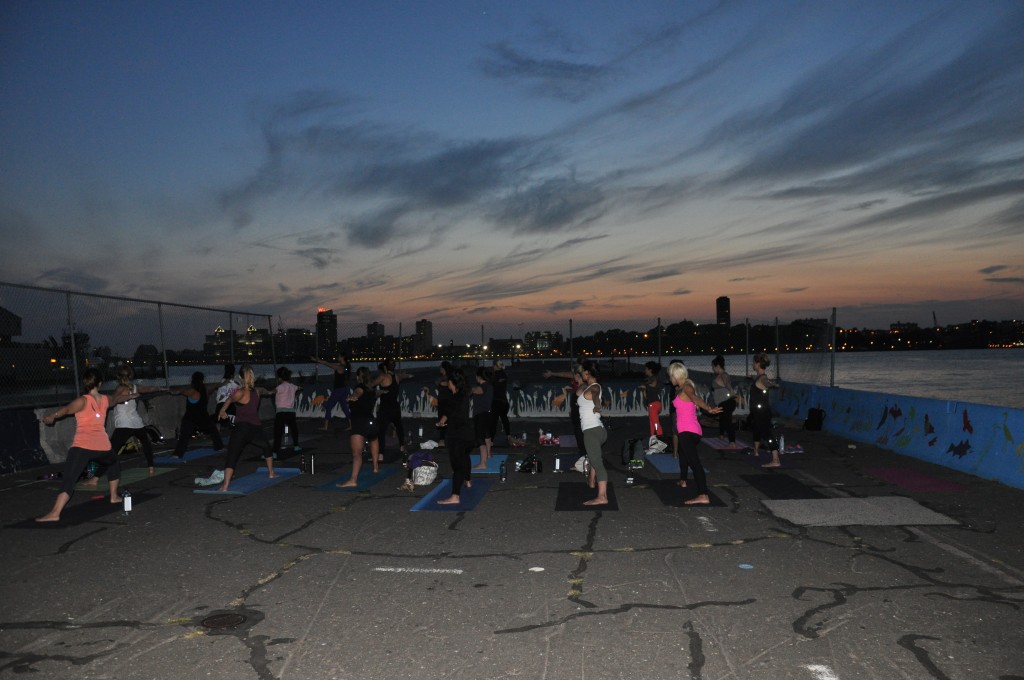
[375,330]
[722,311]
[326,334]
[423,341]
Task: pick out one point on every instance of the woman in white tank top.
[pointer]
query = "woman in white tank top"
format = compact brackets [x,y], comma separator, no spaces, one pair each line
[588,396]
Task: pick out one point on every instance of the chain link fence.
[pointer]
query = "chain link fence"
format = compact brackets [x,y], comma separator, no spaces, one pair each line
[48,337]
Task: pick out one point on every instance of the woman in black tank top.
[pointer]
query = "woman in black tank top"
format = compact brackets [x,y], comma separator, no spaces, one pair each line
[365,428]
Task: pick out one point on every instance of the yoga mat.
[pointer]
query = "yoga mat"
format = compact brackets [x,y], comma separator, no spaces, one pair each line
[367,478]
[128,476]
[780,486]
[493,463]
[663,462]
[912,480]
[722,445]
[194,454]
[671,494]
[468,498]
[247,484]
[93,509]
[571,496]
[567,441]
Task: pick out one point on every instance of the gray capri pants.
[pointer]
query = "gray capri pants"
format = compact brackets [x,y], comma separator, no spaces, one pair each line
[593,440]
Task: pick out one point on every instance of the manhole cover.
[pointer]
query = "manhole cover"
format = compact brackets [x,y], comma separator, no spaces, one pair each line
[223,621]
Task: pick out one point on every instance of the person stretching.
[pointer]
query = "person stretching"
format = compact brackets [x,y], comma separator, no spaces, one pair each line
[588,397]
[686,402]
[90,443]
[248,426]
[459,435]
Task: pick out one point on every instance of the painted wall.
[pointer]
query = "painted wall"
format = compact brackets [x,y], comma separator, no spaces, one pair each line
[987,441]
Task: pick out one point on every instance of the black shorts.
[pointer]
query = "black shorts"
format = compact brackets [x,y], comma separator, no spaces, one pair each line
[482,427]
[368,428]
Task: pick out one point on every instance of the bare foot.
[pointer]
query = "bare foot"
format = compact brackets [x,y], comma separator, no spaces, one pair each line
[698,500]
[152,471]
[596,501]
[91,482]
[451,500]
[772,465]
[222,488]
[681,483]
[480,467]
[48,518]
[116,500]
[271,475]
[347,485]
[468,484]
[325,428]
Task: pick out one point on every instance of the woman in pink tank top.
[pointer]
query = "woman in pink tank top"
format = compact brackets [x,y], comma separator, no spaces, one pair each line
[687,424]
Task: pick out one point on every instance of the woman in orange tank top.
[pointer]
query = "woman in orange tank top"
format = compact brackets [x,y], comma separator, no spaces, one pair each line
[90,443]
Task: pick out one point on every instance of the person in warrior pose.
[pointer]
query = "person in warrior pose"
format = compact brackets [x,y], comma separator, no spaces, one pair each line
[248,426]
[90,443]
[688,426]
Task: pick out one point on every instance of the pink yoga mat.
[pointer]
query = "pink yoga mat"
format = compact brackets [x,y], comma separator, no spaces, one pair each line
[912,480]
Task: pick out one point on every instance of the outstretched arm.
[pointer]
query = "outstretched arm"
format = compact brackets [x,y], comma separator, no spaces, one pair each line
[74,407]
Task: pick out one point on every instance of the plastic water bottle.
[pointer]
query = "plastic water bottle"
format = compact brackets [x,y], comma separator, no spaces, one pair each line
[558,464]
[503,471]
[421,433]
[126,497]
[782,443]
[90,469]
[312,464]
[285,437]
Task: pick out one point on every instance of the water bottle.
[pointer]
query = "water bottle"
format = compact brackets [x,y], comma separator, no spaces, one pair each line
[503,471]
[421,433]
[312,464]
[558,464]
[90,469]
[126,497]
[302,463]
[536,468]
[782,443]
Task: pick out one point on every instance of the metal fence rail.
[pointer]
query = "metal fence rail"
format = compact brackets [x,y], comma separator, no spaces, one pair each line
[48,336]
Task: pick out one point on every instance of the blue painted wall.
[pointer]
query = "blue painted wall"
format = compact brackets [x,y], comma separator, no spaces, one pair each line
[987,441]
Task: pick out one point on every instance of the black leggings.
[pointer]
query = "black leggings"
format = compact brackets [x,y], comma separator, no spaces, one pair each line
[388,416]
[121,436]
[282,419]
[726,426]
[243,434]
[77,461]
[499,412]
[190,427]
[688,458]
[462,464]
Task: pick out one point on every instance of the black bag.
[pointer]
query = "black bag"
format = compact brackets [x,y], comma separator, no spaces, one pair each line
[815,419]
[631,449]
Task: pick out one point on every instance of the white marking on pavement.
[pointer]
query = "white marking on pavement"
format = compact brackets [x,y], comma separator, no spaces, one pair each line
[821,672]
[706,525]
[416,570]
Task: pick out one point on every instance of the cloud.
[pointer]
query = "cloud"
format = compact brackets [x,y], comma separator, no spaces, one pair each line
[553,204]
[72,279]
[1006,279]
[794,290]
[993,269]
[682,291]
[554,78]
[665,273]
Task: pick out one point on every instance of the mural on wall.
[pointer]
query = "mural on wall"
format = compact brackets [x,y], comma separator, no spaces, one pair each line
[979,439]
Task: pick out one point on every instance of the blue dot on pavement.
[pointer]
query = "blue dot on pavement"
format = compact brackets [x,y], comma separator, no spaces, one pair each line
[746,566]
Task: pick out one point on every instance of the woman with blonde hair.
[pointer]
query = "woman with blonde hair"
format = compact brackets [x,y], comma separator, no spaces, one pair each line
[687,425]
[248,426]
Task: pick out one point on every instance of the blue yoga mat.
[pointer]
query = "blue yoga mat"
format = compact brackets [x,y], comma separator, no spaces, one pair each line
[493,463]
[367,479]
[194,454]
[469,498]
[663,462]
[243,486]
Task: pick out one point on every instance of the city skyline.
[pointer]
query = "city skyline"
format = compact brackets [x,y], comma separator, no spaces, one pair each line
[477,162]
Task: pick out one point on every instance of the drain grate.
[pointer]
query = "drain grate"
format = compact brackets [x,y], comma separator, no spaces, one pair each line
[223,621]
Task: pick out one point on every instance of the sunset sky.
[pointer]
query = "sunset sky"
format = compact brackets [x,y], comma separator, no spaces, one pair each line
[478,160]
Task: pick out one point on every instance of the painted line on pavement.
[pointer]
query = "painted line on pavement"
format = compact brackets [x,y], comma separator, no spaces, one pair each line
[416,570]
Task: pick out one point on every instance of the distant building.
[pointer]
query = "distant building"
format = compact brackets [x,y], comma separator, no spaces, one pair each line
[722,311]
[542,342]
[219,347]
[375,330]
[295,344]
[423,341]
[326,334]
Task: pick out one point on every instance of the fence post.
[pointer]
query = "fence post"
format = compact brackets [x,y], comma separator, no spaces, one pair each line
[163,345]
[659,340]
[273,349]
[778,366]
[74,344]
[231,336]
[832,370]
[572,351]
[746,346]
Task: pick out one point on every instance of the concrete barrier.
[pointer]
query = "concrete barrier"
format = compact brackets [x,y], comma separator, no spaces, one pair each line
[982,440]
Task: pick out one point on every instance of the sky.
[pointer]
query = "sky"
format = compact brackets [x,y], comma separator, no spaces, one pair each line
[472,161]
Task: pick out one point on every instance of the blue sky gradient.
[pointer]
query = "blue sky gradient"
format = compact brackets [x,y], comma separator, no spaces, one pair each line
[492,160]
